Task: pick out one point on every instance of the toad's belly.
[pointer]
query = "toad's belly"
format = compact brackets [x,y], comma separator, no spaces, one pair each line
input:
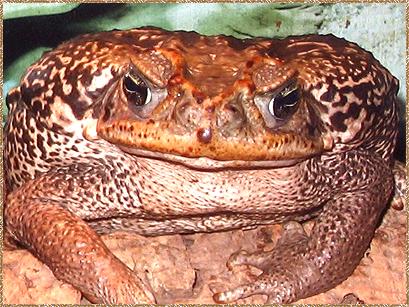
[165,198]
[169,191]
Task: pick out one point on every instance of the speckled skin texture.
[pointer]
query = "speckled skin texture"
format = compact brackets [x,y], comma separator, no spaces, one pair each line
[162,132]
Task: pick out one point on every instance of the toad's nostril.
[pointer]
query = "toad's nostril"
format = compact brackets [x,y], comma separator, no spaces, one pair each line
[188,114]
[230,119]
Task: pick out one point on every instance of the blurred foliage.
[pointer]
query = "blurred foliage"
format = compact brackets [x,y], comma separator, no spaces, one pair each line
[16,10]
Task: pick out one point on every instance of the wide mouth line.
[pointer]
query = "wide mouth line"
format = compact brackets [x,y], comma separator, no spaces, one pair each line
[209,164]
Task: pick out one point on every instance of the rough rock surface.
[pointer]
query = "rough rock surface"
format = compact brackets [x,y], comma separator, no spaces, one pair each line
[27,281]
[188,269]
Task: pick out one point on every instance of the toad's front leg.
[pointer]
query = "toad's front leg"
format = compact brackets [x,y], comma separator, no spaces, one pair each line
[40,216]
[302,266]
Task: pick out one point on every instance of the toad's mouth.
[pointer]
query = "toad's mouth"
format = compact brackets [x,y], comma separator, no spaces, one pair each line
[204,163]
[205,149]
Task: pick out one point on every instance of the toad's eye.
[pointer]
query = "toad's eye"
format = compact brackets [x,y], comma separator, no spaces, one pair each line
[136,89]
[284,103]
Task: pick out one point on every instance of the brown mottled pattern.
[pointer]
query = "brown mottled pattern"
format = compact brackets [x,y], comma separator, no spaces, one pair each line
[206,152]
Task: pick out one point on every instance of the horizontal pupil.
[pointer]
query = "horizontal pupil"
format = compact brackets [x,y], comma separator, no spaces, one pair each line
[285,104]
[133,85]
[136,90]
[291,98]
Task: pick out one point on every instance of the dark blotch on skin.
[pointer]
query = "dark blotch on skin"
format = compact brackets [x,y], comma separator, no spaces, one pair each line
[29,93]
[189,38]
[353,111]
[204,135]
[12,97]
[249,64]
[339,118]
[199,96]
[315,126]
[40,109]
[337,121]
[107,113]
[40,145]
[329,95]
[361,90]
[237,44]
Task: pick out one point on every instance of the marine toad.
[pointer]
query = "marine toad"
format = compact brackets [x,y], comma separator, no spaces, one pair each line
[161,132]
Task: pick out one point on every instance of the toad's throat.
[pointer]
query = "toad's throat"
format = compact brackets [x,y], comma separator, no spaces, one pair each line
[156,140]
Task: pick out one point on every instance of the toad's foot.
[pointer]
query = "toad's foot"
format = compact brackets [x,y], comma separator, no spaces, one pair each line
[293,239]
[301,266]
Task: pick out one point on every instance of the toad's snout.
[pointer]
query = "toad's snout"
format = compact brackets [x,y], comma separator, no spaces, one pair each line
[212,115]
